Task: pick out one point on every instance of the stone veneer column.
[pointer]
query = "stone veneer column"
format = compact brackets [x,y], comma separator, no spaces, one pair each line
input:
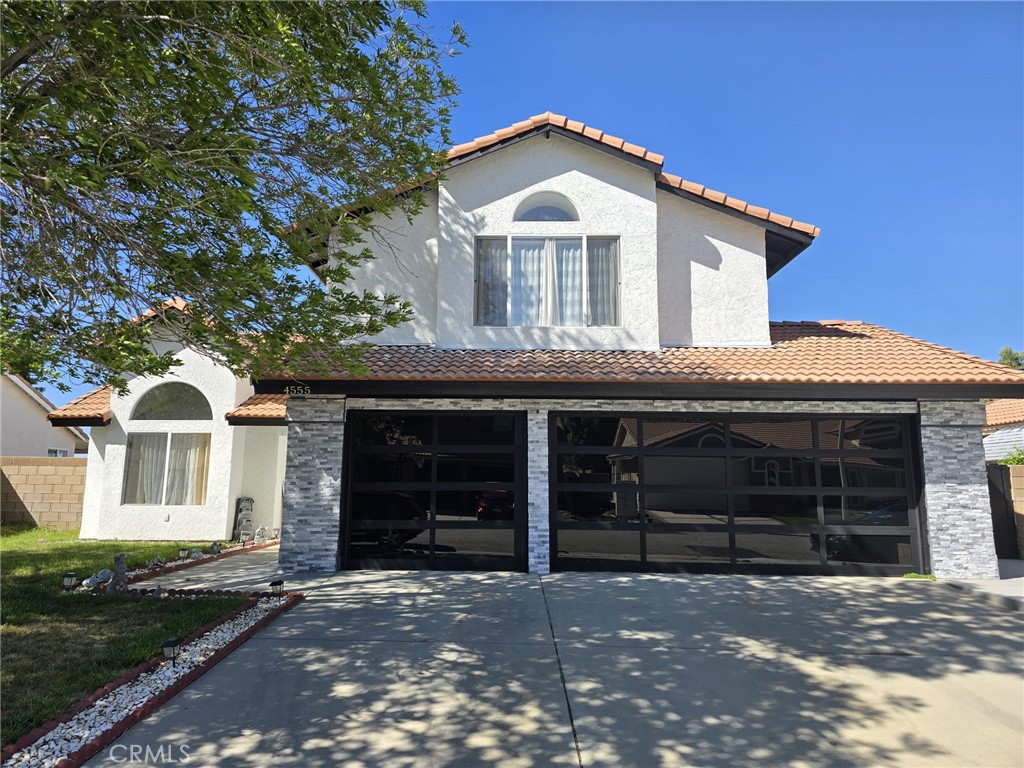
[538,538]
[311,514]
[958,516]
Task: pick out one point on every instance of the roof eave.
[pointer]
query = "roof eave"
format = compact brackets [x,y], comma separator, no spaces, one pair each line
[547,130]
[100,420]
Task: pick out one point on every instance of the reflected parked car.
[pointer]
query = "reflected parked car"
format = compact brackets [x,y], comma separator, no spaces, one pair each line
[868,549]
[495,505]
[372,511]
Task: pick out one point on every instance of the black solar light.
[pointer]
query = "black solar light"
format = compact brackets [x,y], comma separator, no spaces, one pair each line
[70,579]
[278,588]
[171,648]
[182,553]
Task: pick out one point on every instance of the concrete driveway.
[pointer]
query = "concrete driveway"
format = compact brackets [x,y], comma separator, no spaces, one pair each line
[455,669]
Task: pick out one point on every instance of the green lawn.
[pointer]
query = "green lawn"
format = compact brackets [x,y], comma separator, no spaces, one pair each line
[58,647]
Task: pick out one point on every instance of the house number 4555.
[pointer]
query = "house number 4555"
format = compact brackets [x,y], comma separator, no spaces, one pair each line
[297,390]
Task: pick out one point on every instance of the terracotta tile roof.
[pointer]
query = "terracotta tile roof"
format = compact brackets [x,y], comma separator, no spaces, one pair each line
[742,206]
[1004,411]
[91,409]
[178,305]
[668,179]
[830,352]
[558,121]
[269,408]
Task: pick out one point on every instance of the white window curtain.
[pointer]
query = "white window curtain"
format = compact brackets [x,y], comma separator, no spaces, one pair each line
[186,469]
[566,289]
[491,282]
[603,280]
[527,280]
[145,461]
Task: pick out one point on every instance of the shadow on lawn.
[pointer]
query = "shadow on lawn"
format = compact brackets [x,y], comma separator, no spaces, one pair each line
[459,669]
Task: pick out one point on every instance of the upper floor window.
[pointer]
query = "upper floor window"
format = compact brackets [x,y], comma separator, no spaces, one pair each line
[547,281]
[546,206]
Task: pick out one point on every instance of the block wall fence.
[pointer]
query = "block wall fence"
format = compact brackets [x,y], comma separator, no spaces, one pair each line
[44,491]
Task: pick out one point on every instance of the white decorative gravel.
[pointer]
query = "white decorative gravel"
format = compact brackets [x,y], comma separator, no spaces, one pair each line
[105,713]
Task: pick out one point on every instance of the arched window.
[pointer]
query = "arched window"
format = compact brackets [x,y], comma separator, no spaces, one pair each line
[168,468]
[546,206]
[174,401]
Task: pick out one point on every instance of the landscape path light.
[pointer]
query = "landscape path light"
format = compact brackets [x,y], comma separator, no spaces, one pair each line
[70,579]
[278,587]
[171,648]
[182,553]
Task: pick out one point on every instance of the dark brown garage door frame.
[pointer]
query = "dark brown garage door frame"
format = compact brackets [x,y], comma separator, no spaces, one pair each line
[801,498]
[434,490]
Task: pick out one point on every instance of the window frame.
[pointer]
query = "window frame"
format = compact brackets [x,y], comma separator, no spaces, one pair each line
[57,453]
[549,253]
[167,467]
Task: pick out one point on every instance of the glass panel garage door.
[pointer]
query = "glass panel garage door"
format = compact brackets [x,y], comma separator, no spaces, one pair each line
[434,490]
[733,494]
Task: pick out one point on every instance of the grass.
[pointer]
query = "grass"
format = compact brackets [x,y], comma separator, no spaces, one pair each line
[59,647]
[925,576]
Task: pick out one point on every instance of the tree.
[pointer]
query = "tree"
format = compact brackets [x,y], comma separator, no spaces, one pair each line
[158,150]
[1013,359]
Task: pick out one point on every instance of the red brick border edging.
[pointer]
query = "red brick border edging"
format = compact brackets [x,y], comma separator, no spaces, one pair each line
[95,745]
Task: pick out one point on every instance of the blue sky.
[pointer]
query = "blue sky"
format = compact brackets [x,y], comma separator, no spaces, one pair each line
[897,128]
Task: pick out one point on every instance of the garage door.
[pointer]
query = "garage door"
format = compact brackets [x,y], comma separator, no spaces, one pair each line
[733,494]
[434,490]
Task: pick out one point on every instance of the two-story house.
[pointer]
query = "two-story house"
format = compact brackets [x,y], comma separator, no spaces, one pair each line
[590,381]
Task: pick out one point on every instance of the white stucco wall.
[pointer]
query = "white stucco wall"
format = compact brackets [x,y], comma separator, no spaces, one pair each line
[613,198]
[712,278]
[103,514]
[405,264]
[263,472]
[24,430]
[703,270]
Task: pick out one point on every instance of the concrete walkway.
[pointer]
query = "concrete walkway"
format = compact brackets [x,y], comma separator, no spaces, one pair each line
[484,669]
[1007,590]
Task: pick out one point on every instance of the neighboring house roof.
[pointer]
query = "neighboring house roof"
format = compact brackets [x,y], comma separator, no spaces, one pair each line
[91,410]
[81,439]
[1004,411]
[1002,442]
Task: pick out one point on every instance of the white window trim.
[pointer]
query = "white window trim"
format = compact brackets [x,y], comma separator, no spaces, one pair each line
[57,453]
[548,266]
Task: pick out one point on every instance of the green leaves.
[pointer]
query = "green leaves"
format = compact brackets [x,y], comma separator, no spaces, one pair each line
[157,149]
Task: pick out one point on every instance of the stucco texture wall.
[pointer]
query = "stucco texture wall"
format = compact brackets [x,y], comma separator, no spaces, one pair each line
[41,491]
[105,517]
[404,264]
[712,278]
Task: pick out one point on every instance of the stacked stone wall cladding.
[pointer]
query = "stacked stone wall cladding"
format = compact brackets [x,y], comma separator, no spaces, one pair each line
[43,491]
[958,515]
[311,518]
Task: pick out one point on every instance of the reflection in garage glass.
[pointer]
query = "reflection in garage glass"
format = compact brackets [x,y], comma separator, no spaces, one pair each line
[740,493]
